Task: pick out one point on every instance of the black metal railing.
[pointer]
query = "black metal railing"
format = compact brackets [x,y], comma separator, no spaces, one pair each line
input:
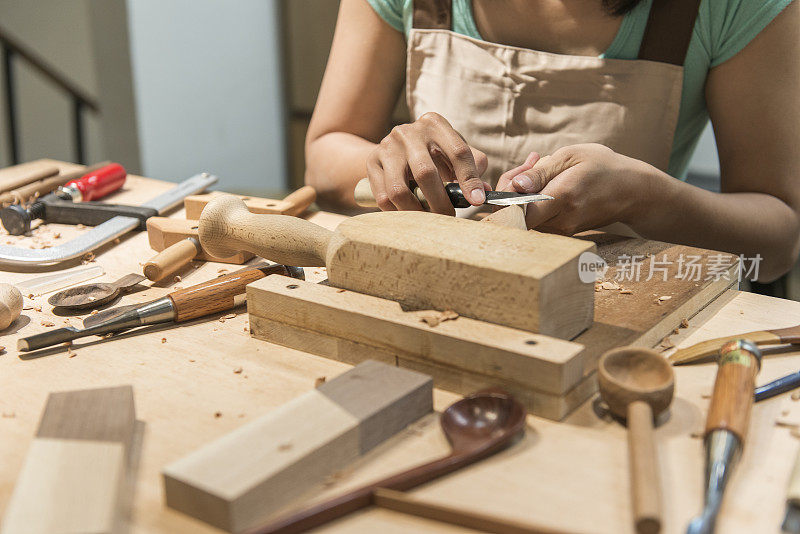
[13,49]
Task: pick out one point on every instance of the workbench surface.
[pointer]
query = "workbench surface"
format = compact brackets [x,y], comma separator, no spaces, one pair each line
[572,476]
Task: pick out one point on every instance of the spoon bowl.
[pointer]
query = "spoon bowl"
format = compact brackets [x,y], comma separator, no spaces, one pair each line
[632,374]
[93,295]
[485,416]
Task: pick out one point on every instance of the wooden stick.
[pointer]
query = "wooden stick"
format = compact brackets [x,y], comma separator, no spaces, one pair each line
[406,504]
[171,259]
[27,178]
[645,479]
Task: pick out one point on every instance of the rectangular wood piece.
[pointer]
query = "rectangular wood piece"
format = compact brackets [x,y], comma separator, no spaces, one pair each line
[242,477]
[194,205]
[74,472]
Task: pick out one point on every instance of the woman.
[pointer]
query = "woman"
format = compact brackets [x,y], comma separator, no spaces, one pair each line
[613,94]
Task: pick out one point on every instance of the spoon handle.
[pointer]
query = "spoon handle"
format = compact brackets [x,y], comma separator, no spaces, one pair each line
[645,480]
[326,511]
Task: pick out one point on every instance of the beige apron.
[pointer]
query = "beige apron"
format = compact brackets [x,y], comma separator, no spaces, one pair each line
[509,101]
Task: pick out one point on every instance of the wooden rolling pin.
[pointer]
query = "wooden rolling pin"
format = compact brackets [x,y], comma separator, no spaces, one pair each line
[26,178]
[424,261]
[41,187]
[171,259]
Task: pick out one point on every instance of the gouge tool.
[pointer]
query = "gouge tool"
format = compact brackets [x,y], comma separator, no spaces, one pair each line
[219,294]
[364,197]
[726,424]
[708,349]
[104,232]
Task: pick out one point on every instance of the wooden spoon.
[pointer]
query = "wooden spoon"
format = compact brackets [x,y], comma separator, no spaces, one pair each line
[92,295]
[477,426]
[637,384]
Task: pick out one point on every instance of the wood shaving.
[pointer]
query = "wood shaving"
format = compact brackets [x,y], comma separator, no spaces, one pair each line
[177,278]
[285,446]
[684,323]
[48,324]
[433,318]
[319,381]
[57,235]
[37,308]
[229,316]
[666,343]
[625,292]
[676,332]
[217,415]
[341,290]
[662,299]
[94,312]
[2,348]
[705,396]
[786,424]
[696,435]
[220,271]
[238,371]
[89,257]
[795,396]
[192,360]
[71,353]
[80,226]
[610,286]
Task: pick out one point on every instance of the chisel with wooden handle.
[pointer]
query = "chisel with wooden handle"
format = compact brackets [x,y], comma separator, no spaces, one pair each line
[219,294]
[726,424]
[708,349]
[364,197]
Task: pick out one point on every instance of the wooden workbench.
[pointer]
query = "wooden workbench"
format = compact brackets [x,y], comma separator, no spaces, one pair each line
[571,475]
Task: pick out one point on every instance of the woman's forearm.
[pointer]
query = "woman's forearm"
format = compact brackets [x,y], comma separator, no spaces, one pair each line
[335,162]
[749,224]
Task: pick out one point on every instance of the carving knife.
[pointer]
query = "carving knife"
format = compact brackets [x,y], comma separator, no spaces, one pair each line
[220,294]
[708,349]
[364,197]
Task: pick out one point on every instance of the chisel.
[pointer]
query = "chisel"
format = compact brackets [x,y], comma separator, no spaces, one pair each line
[726,424]
[364,197]
[91,186]
[214,296]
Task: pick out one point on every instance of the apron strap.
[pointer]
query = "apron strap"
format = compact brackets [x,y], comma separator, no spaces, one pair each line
[669,30]
[433,14]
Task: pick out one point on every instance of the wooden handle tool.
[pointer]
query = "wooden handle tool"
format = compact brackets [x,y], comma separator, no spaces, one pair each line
[732,398]
[293,205]
[364,197]
[41,187]
[171,259]
[710,348]
[726,424]
[26,178]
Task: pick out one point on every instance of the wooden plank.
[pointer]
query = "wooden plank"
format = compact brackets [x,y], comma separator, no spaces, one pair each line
[425,261]
[537,361]
[194,204]
[548,405]
[75,468]
[242,477]
[163,232]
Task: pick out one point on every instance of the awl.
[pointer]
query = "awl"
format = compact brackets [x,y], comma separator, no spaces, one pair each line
[91,186]
[214,296]
[364,197]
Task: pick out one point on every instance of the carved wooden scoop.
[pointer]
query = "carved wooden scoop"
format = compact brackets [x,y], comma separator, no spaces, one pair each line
[477,426]
[93,295]
[637,384]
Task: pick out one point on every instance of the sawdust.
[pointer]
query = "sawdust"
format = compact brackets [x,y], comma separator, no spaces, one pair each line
[341,290]
[217,415]
[163,340]
[433,318]
[319,381]
[610,286]
[684,323]
[238,371]
[662,299]
[795,396]
[666,343]
[48,324]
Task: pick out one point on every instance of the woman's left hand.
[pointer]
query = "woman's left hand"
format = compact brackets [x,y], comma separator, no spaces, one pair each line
[591,186]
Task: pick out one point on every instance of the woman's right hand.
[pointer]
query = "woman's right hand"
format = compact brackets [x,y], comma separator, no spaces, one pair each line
[430,152]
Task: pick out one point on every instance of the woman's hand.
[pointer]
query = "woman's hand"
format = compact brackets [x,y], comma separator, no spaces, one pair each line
[430,152]
[591,185]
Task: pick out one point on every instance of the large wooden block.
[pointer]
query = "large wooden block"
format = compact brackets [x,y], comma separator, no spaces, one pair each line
[163,232]
[243,477]
[74,472]
[536,361]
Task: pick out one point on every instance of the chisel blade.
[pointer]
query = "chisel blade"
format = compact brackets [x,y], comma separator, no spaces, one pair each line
[504,198]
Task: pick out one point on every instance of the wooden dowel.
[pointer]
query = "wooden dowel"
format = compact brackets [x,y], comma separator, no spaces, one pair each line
[300,200]
[403,503]
[171,259]
[645,480]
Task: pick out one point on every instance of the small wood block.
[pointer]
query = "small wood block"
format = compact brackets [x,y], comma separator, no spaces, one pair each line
[241,478]
[164,232]
[194,205]
[73,475]
[532,360]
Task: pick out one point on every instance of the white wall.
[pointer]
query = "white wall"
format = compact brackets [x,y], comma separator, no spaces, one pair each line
[208,91]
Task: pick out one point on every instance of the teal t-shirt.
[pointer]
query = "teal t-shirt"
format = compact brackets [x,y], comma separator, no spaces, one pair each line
[722,29]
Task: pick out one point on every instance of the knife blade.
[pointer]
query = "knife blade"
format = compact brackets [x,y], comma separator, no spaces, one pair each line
[364,197]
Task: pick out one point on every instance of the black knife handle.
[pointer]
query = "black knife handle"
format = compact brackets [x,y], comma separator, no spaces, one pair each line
[453,190]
